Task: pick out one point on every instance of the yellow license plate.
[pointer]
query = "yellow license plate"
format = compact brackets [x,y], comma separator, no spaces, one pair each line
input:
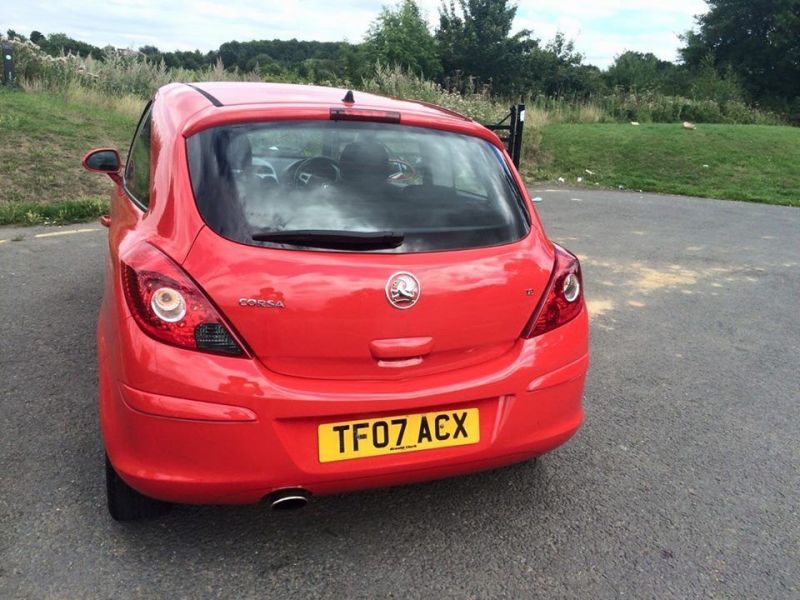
[391,435]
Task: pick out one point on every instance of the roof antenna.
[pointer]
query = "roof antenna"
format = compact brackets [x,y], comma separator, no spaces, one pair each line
[348,97]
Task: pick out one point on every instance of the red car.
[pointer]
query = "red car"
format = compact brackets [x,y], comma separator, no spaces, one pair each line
[310,291]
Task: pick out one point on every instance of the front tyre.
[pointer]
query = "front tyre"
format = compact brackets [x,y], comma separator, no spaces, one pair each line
[125,503]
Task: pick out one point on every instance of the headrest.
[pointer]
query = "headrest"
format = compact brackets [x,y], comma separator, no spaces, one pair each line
[240,153]
[365,160]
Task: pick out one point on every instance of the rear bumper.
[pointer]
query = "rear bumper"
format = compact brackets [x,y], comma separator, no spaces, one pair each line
[194,428]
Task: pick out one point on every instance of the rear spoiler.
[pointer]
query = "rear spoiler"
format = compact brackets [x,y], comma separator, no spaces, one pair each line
[514,127]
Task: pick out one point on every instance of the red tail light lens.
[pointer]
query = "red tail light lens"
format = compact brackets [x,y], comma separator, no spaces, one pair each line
[564,298]
[169,306]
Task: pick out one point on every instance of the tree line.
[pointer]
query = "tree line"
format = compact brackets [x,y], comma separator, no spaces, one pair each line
[741,50]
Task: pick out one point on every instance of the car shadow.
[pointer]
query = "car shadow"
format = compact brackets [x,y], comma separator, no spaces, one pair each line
[393,520]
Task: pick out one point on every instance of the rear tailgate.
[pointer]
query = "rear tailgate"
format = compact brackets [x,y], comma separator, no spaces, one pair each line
[326,315]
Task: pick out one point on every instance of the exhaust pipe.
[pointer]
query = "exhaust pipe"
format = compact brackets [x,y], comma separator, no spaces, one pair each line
[288,499]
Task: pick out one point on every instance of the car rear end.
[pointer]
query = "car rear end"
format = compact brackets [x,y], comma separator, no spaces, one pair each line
[370,300]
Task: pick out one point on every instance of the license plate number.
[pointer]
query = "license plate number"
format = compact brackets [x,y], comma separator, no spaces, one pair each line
[392,435]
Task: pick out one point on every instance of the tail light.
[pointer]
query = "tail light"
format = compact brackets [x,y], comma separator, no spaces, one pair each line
[364,114]
[563,300]
[169,306]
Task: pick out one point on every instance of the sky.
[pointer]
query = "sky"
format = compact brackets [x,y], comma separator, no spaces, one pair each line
[602,29]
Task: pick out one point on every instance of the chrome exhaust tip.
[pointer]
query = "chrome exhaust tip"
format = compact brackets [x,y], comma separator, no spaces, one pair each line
[288,499]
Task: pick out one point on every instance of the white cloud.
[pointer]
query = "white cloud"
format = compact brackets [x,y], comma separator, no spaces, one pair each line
[607,8]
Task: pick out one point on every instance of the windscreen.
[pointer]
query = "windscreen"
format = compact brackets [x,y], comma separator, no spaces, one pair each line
[354,186]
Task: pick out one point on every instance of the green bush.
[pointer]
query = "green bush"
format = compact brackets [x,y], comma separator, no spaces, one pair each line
[399,83]
[703,111]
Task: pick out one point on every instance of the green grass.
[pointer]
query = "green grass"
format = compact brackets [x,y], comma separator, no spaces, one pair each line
[42,139]
[55,213]
[744,162]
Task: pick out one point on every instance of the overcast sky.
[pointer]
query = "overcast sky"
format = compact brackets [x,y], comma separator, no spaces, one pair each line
[601,28]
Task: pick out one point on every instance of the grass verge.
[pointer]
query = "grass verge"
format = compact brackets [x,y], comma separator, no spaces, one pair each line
[56,213]
[42,139]
[737,162]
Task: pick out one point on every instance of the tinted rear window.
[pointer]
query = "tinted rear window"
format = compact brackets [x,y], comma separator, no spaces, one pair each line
[438,190]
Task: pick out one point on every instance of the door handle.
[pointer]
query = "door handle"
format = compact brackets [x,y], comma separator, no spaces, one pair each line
[401,348]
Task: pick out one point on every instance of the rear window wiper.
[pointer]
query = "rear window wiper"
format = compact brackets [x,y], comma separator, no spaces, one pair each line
[332,239]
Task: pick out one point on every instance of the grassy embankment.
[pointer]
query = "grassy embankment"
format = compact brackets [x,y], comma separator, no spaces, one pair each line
[42,140]
[756,163]
[44,135]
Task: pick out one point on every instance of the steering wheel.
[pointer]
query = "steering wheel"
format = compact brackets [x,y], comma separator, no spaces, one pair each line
[317,170]
[403,170]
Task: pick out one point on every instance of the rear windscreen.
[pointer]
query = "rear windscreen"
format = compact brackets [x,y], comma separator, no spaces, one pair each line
[261,183]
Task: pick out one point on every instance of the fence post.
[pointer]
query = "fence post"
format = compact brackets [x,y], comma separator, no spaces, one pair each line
[8,64]
[519,126]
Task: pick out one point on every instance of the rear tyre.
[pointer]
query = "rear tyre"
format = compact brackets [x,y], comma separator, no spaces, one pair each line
[125,503]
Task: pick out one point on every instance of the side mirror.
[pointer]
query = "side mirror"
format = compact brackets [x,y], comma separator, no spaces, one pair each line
[103,160]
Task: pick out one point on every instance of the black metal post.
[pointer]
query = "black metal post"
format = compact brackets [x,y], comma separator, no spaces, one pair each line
[512,134]
[8,64]
[519,126]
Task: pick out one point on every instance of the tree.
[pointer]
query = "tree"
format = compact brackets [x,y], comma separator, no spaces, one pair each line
[193,60]
[152,53]
[57,44]
[758,40]
[354,62]
[400,36]
[36,36]
[560,71]
[711,83]
[13,35]
[645,72]
[475,41]
[636,71]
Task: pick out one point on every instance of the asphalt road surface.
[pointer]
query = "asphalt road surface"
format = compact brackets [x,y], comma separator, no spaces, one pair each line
[684,481]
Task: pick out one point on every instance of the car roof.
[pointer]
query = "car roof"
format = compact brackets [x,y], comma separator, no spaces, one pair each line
[233,93]
[192,107]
